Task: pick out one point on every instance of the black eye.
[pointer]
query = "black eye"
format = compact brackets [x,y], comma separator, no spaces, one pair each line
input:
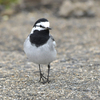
[42,26]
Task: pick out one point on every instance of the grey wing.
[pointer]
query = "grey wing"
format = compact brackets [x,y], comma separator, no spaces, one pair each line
[54,43]
[51,37]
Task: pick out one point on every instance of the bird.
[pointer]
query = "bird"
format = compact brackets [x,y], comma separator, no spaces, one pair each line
[40,46]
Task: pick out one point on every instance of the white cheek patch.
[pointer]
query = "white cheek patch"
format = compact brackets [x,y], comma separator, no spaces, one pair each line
[39,28]
[36,28]
[45,24]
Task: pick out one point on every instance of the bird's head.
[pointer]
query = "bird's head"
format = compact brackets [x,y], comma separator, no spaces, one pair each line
[42,24]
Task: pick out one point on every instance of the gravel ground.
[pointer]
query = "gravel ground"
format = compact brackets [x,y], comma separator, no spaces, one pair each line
[75,75]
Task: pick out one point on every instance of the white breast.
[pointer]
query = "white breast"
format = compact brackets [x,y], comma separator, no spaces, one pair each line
[40,55]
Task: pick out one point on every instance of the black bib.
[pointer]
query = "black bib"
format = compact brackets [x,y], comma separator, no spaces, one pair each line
[39,37]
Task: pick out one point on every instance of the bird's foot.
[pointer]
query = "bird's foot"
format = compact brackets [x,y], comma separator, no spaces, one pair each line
[48,80]
[43,78]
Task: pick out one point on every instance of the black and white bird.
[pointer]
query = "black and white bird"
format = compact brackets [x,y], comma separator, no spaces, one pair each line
[40,46]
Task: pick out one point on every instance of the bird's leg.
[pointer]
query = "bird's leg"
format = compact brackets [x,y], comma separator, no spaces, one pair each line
[41,75]
[48,73]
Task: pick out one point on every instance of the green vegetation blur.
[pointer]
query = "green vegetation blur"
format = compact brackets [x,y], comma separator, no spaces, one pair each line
[7,3]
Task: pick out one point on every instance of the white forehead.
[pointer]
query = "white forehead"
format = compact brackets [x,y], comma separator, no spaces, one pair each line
[46,24]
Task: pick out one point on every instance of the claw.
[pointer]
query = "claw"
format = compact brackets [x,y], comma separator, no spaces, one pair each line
[43,78]
[48,80]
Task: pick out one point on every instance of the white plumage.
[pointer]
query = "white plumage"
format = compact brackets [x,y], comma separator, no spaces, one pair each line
[44,54]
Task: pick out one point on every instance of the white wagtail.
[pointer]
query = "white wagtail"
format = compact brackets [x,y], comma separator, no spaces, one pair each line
[40,46]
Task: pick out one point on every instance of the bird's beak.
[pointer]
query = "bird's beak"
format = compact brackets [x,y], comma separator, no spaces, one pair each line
[48,28]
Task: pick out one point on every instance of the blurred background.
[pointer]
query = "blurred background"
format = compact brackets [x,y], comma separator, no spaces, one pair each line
[64,8]
[75,75]
[18,16]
